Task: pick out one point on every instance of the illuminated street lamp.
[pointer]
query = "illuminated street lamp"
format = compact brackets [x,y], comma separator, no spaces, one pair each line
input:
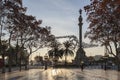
[46,59]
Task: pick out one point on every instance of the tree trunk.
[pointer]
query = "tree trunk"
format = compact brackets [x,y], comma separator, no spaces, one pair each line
[16,59]
[117,58]
[115,44]
[118,63]
[9,62]
[10,52]
[65,60]
[118,67]
[16,54]
[20,63]
[3,63]
[26,63]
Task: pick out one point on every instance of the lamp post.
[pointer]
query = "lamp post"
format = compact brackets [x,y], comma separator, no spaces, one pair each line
[46,59]
[105,59]
[101,62]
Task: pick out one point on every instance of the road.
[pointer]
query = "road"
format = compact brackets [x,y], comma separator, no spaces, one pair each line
[62,74]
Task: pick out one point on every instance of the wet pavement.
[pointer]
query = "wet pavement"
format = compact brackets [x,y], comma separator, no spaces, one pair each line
[62,74]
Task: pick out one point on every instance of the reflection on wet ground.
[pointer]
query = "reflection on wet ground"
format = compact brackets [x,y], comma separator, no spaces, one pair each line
[62,74]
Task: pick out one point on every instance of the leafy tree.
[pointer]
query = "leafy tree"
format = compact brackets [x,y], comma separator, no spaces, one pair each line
[8,15]
[104,19]
[12,8]
[22,29]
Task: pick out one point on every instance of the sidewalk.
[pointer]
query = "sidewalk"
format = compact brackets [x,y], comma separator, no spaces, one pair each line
[22,68]
[62,74]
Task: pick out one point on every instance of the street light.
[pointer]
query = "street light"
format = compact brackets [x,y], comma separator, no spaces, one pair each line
[105,59]
[46,59]
[101,61]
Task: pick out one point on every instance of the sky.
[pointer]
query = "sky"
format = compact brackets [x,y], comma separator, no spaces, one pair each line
[62,16]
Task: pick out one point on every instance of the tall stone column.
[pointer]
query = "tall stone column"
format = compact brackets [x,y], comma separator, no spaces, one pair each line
[80,29]
[80,54]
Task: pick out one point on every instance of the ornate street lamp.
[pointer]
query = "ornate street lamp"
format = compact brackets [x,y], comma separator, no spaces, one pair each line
[46,58]
[45,62]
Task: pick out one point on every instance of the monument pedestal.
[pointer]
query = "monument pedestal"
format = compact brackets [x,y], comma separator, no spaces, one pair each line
[80,57]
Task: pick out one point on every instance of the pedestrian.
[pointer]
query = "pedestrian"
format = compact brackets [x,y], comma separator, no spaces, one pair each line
[45,65]
[82,65]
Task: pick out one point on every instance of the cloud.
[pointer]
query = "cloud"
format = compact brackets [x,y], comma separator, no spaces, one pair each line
[61,15]
[60,26]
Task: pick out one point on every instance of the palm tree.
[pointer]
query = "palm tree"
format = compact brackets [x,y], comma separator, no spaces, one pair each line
[67,50]
[55,53]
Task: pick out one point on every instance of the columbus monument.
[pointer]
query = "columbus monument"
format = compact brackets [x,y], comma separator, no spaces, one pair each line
[80,54]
